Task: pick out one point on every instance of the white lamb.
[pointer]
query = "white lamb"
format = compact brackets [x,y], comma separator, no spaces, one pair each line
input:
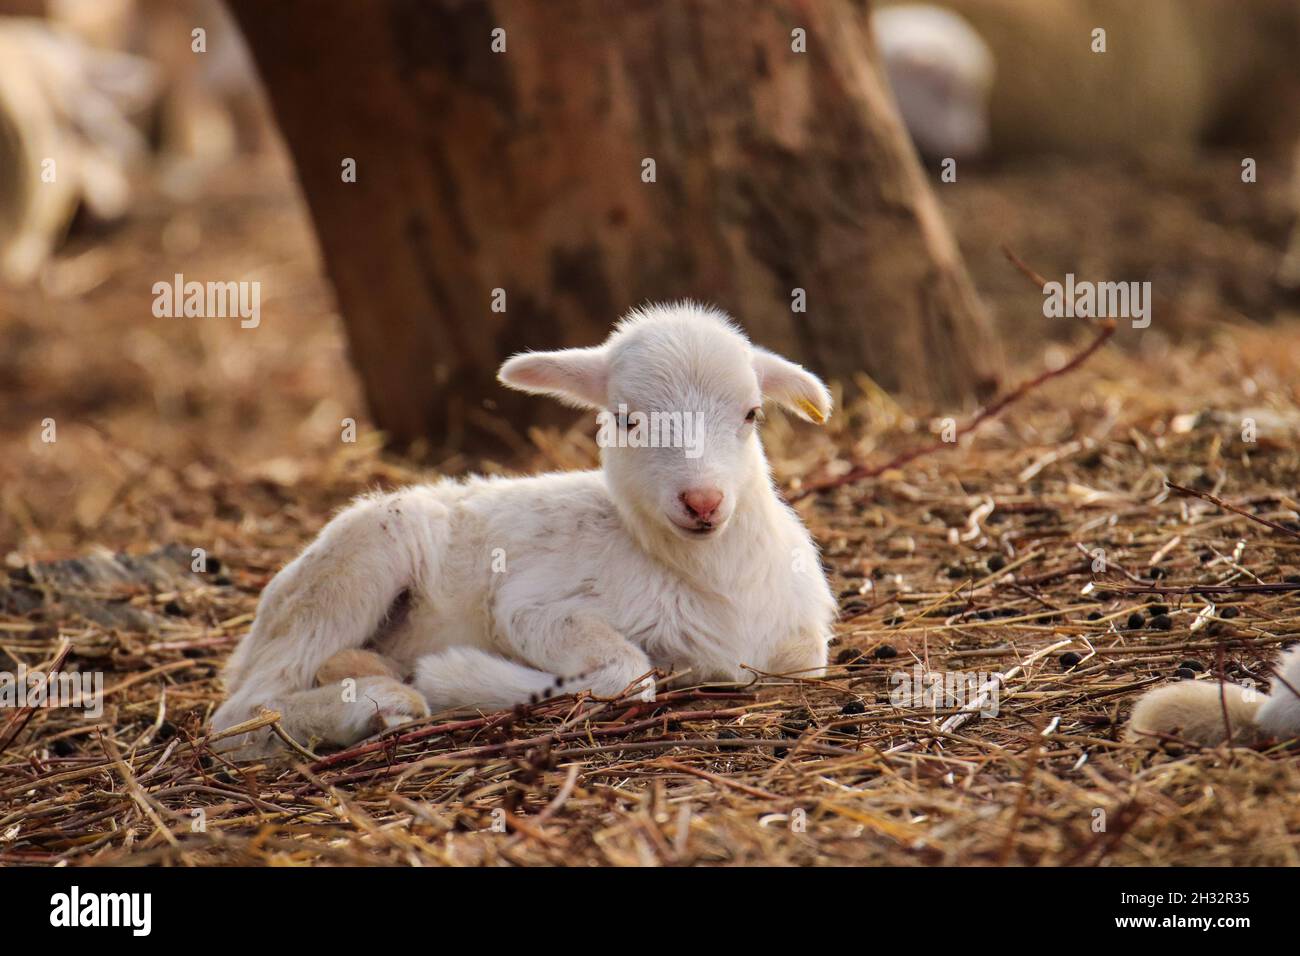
[490,592]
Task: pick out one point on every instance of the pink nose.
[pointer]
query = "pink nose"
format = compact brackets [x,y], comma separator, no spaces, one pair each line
[702,503]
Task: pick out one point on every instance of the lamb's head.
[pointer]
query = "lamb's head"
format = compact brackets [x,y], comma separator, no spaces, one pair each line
[678,391]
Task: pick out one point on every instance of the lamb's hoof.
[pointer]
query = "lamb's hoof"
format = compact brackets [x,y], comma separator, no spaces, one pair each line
[394,703]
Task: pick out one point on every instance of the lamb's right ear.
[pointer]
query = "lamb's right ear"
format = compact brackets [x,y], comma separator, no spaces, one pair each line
[578,377]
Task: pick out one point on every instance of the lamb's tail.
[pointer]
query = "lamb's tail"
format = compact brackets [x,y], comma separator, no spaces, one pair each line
[469,677]
[1195,711]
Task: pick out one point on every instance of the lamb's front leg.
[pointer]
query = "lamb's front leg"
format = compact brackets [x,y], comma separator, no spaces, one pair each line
[803,655]
[582,649]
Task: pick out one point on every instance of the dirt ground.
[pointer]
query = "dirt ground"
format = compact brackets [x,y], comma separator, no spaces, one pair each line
[195,433]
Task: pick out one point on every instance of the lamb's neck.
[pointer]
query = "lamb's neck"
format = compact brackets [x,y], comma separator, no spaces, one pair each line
[756,527]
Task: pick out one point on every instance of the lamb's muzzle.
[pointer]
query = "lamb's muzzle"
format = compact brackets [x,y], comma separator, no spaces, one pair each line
[701,506]
[677,555]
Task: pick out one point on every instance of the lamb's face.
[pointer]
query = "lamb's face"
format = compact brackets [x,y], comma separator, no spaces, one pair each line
[678,394]
[678,435]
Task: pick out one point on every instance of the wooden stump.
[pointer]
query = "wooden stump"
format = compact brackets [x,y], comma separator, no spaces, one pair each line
[524,171]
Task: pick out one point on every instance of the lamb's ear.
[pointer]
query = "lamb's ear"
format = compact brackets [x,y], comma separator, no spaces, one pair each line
[792,386]
[578,377]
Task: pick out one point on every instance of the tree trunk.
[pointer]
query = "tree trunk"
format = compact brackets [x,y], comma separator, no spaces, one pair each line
[522,170]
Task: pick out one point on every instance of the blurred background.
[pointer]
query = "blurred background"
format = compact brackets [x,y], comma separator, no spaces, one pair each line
[500,200]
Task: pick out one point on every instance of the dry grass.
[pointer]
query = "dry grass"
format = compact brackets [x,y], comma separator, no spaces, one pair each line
[796,771]
[719,775]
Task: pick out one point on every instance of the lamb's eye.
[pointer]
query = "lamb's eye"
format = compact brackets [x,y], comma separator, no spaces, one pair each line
[755,416]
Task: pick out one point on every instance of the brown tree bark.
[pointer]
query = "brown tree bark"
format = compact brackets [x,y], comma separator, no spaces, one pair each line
[522,170]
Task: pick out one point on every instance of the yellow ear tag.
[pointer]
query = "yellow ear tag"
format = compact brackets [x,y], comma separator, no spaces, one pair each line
[812,411]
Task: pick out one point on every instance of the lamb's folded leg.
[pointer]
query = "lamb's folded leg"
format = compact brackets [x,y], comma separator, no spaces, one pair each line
[569,653]
[581,648]
[469,677]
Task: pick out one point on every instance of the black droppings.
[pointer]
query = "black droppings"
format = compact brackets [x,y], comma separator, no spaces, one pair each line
[793,728]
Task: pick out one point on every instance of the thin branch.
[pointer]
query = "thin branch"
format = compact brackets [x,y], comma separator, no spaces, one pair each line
[19,720]
[1220,503]
[1107,329]
[1282,588]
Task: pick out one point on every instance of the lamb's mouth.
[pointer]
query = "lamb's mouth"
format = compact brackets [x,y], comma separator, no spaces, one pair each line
[698,531]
